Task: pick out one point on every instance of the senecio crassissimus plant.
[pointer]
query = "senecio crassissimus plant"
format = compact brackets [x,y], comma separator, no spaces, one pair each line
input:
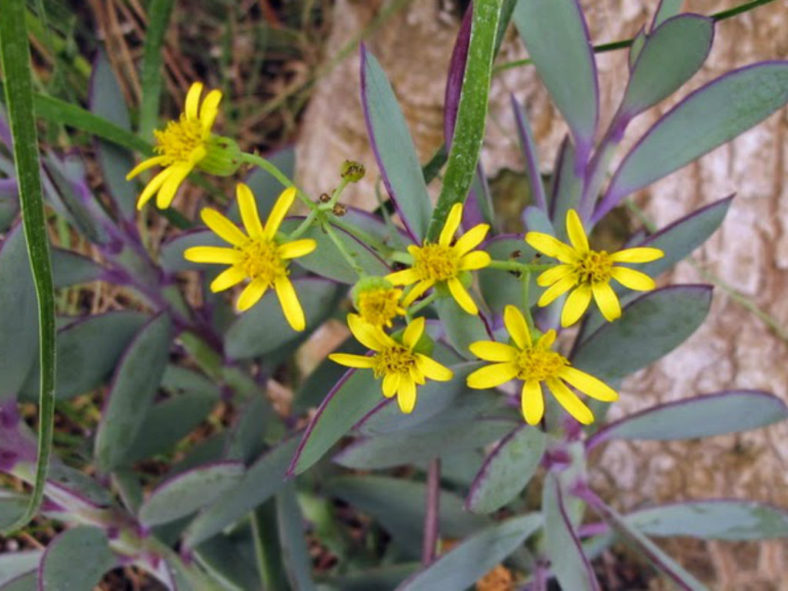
[485,361]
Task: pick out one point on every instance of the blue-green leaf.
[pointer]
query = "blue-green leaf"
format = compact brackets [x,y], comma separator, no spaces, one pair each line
[295,554]
[76,559]
[70,268]
[16,564]
[501,288]
[461,328]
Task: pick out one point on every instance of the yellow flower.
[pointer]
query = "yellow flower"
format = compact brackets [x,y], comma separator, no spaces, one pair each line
[445,263]
[180,147]
[379,306]
[258,256]
[397,363]
[535,364]
[588,271]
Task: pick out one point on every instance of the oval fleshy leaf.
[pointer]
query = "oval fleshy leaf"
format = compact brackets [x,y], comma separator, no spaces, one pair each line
[567,184]
[263,328]
[189,491]
[393,147]
[473,557]
[670,56]
[16,564]
[712,519]
[712,115]
[461,328]
[70,268]
[76,559]
[135,383]
[556,37]
[650,327]
[295,553]
[507,470]
[700,416]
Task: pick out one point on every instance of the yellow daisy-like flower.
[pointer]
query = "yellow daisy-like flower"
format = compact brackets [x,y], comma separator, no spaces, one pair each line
[444,262]
[258,256]
[180,147]
[535,364]
[401,368]
[588,272]
[379,306]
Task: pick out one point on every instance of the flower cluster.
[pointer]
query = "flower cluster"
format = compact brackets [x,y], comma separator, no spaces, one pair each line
[259,255]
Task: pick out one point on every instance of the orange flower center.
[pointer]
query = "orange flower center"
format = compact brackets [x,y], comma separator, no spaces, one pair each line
[394,360]
[179,139]
[594,267]
[539,364]
[435,262]
[261,260]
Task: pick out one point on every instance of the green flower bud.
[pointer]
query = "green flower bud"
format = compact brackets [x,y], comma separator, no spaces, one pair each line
[223,157]
[352,171]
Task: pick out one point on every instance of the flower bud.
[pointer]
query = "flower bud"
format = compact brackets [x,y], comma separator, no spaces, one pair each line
[352,171]
[222,158]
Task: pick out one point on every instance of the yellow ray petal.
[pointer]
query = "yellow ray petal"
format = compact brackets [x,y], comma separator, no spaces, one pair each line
[251,295]
[209,109]
[223,227]
[403,277]
[291,307]
[432,369]
[588,384]
[227,278]
[279,211]
[491,376]
[417,291]
[640,254]
[551,246]
[516,326]
[493,351]
[145,165]
[571,403]
[153,186]
[532,402]
[471,239]
[166,194]
[607,300]
[576,304]
[413,333]
[452,223]
[461,296]
[575,231]
[416,375]
[348,360]
[556,290]
[633,279]
[406,395]
[248,208]
[390,384]
[546,341]
[297,248]
[191,108]
[366,334]
[553,275]
[212,254]
[478,259]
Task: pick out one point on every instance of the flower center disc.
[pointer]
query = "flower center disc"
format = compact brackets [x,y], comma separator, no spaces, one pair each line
[435,262]
[378,306]
[261,261]
[594,267]
[393,360]
[535,364]
[179,139]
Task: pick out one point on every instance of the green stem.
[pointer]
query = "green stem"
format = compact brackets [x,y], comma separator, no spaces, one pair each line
[518,267]
[342,250]
[271,169]
[418,306]
[305,225]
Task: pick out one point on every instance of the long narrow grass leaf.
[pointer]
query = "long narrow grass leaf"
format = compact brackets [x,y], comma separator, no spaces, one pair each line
[158,18]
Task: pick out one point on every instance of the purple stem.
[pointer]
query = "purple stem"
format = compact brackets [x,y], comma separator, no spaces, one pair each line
[430,539]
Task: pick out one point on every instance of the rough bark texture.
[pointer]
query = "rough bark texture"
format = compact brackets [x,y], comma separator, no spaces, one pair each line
[733,349]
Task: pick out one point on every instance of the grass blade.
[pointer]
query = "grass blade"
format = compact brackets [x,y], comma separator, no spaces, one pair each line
[158,18]
[15,58]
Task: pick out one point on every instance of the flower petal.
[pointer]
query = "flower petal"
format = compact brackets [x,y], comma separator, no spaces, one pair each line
[576,304]
[491,376]
[575,231]
[640,254]
[553,274]
[390,384]
[297,248]
[633,279]
[478,259]
[551,246]
[279,211]
[417,291]
[251,295]
[166,194]
[348,360]
[152,187]
[532,402]
[571,403]
[450,226]
[145,165]
[493,351]
[209,109]
[556,290]
[607,300]
[404,277]
[546,341]
[432,369]
[288,299]
[413,333]
[365,333]
[248,208]
[227,278]
[461,296]
[212,254]
[406,395]
[516,326]
[224,228]
[191,108]
[471,239]
[588,384]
